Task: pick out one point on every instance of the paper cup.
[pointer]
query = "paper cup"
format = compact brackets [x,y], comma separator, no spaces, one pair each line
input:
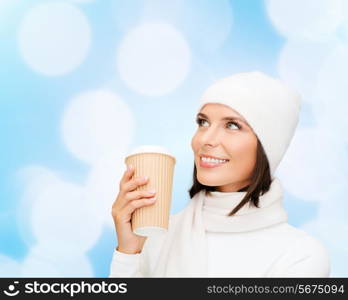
[157,163]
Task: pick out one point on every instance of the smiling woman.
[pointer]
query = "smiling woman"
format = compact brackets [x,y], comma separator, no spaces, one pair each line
[245,124]
[247,168]
[228,158]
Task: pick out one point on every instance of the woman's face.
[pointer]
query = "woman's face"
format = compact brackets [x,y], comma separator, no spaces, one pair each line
[220,135]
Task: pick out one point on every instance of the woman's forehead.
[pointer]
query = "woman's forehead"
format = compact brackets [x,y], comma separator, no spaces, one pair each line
[209,106]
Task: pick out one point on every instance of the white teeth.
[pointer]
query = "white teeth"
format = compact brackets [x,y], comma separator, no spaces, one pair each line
[213,160]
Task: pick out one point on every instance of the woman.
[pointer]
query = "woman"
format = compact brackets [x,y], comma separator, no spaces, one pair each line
[235,224]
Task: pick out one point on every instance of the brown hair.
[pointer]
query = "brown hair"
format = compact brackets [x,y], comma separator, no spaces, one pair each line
[260,181]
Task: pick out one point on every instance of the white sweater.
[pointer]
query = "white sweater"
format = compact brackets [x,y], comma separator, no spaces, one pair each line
[280,250]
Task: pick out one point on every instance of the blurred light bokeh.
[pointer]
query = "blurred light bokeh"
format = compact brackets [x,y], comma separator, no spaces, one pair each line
[83,81]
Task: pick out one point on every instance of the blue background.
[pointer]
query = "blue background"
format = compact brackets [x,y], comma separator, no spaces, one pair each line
[33,105]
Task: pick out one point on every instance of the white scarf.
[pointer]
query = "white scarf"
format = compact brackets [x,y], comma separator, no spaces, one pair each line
[183,252]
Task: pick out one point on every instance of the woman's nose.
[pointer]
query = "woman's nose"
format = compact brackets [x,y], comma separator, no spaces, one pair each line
[211,136]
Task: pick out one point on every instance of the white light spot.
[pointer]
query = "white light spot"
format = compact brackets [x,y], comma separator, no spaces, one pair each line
[207,24]
[299,63]
[331,92]
[153,59]
[54,38]
[54,208]
[314,20]
[314,164]
[51,258]
[62,210]
[102,185]
[32,179]
[96,124]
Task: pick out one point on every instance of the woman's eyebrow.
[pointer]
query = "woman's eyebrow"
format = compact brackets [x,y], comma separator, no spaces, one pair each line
[224,119]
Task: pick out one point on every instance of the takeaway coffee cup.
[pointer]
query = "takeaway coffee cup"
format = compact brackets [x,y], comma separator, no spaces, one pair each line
[157,163]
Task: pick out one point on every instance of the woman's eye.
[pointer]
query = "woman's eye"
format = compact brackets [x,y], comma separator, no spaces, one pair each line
[234,123]
[200,121]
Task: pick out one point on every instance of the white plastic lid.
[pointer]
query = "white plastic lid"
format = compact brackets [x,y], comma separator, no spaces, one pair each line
[149,231]
[150,149]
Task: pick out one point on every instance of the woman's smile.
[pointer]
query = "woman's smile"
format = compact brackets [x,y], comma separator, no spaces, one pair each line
[206,162]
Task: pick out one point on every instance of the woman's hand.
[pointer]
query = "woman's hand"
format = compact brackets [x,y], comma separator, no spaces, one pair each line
[127,201]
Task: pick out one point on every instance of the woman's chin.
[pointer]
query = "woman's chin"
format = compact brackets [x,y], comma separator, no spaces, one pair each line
[208,182]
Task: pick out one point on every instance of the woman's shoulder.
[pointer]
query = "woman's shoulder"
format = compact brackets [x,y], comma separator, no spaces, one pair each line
[305,256]
[300,236]
[310,246]
[287,232]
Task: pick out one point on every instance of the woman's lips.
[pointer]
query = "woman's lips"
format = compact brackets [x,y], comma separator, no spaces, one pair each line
[205,164]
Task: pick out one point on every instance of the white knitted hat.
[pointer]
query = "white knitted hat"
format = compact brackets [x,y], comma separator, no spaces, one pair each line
[269,106]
